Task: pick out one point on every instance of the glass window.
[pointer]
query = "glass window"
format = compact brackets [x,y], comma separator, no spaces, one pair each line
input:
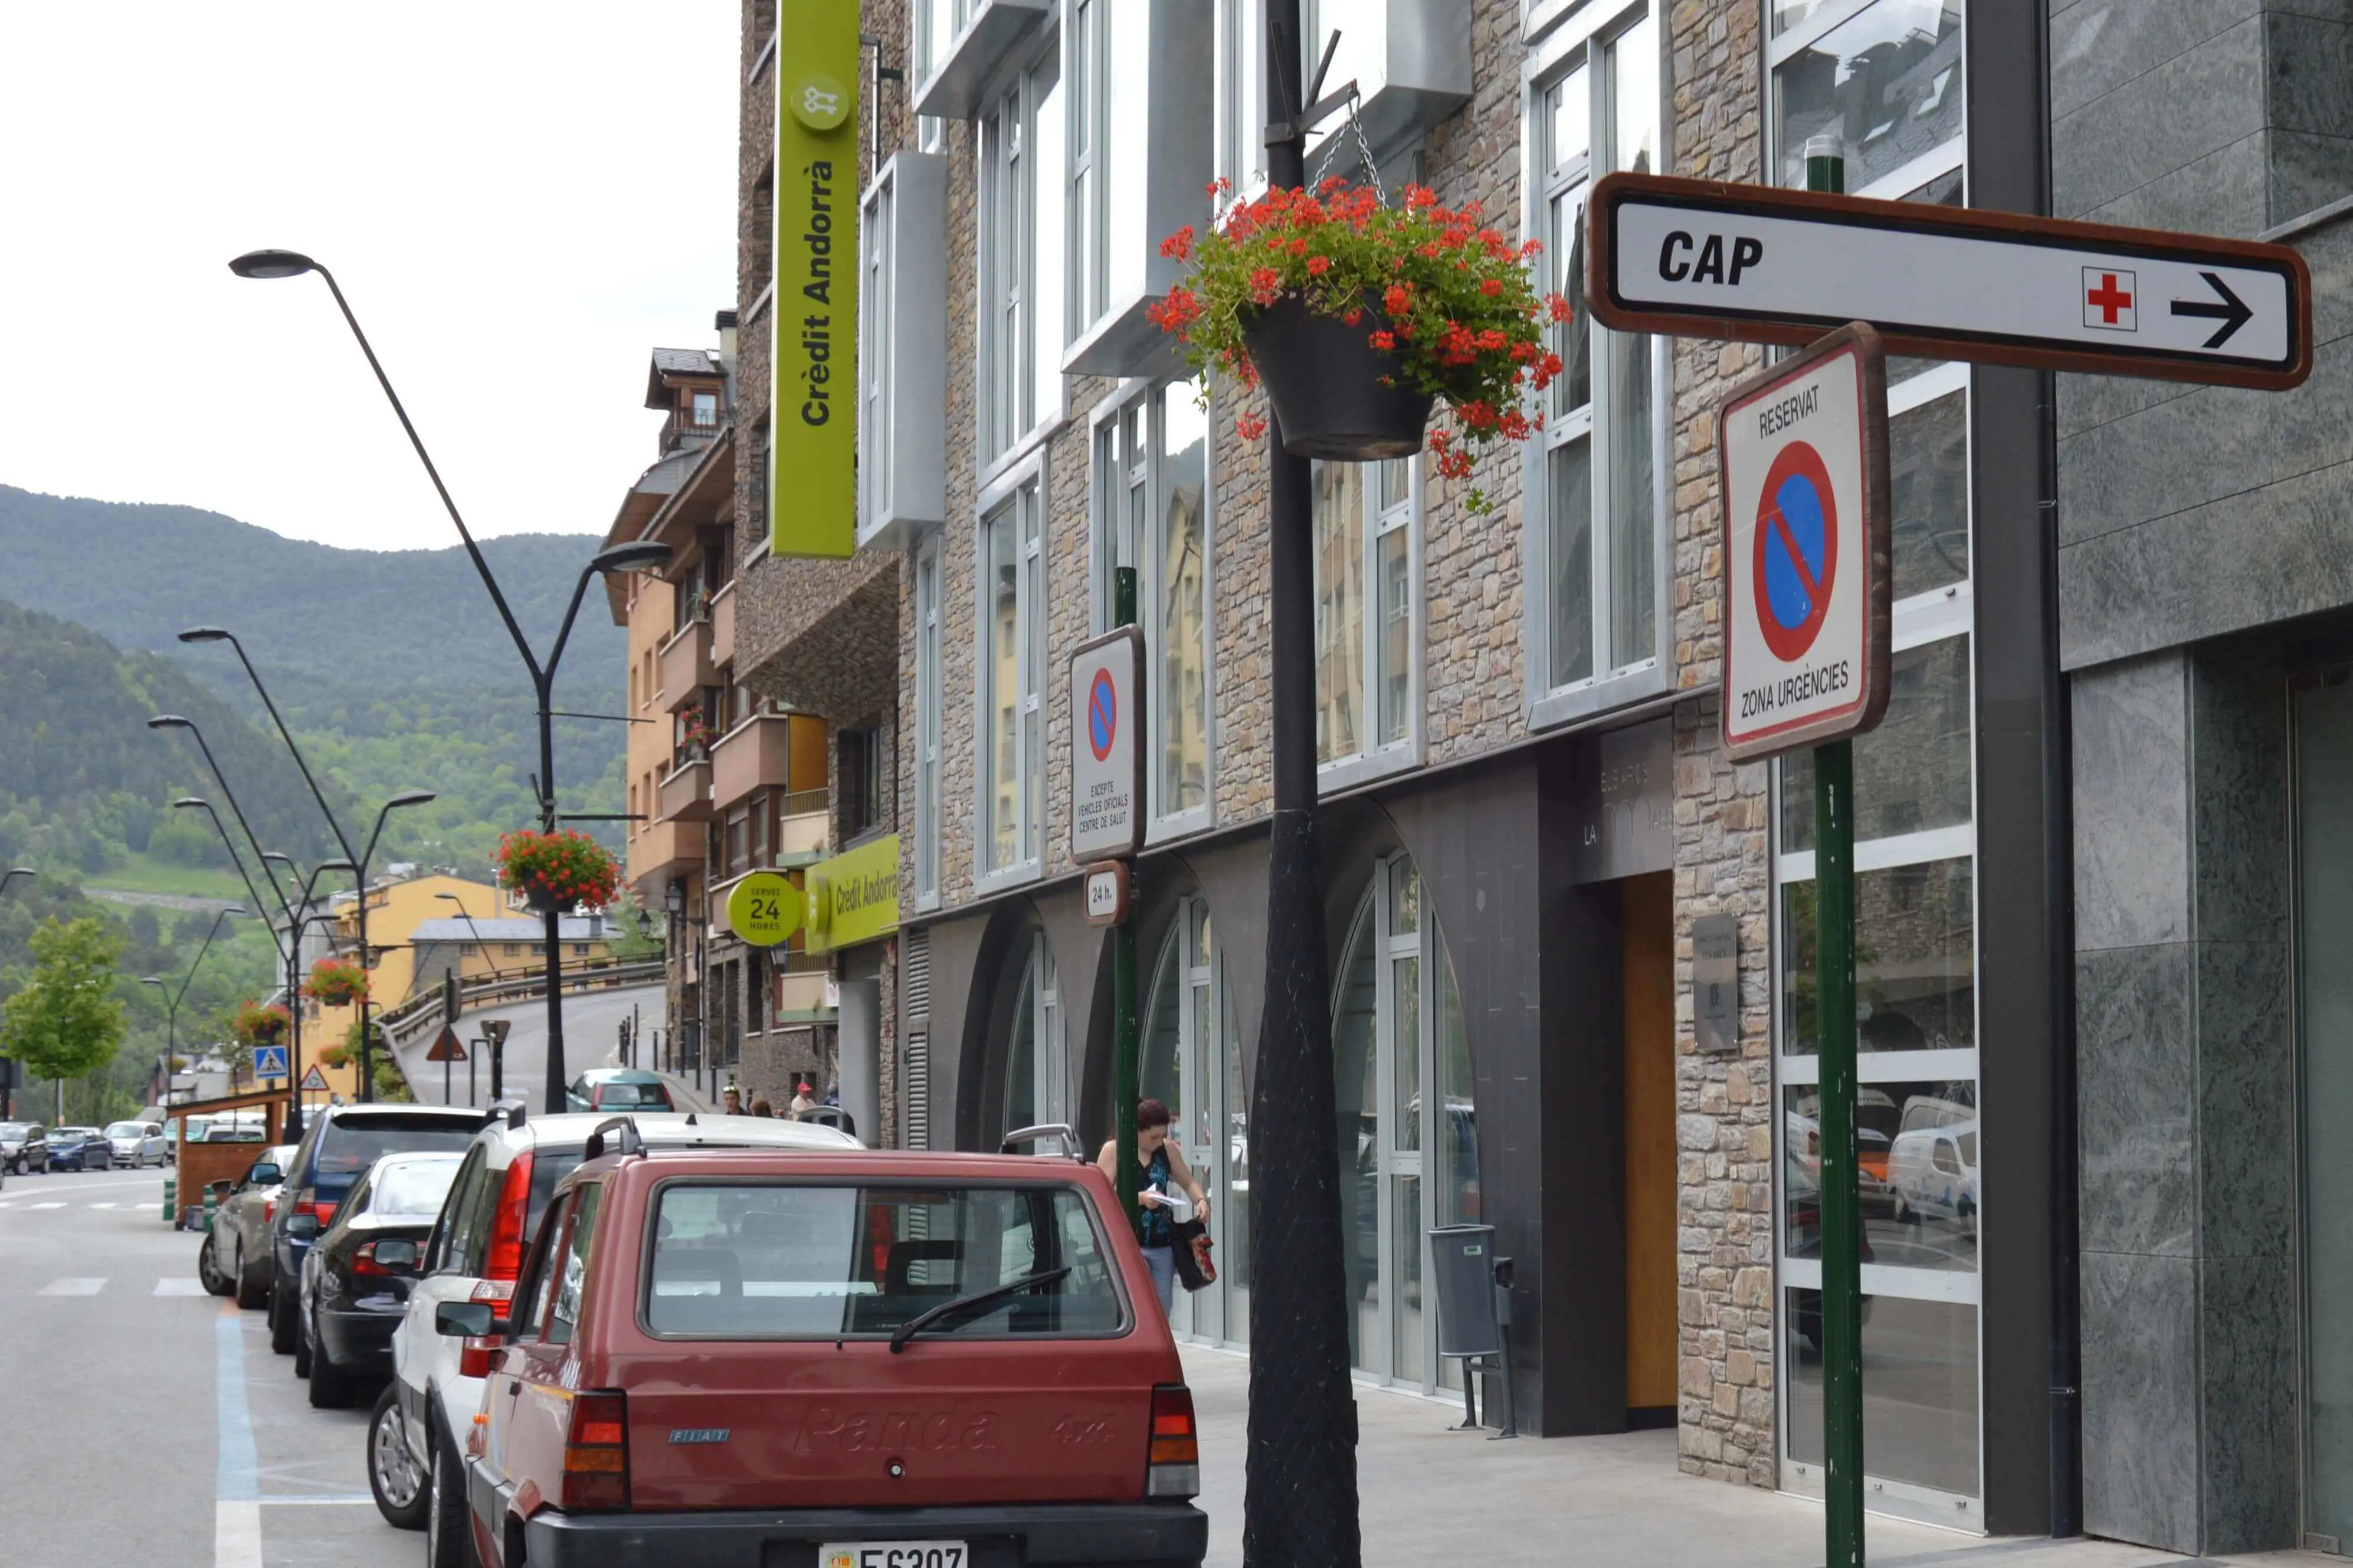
[1915,960]
[1181,628]
[1020,252]
[1013,653]
[1887,82]
[1928,484]
[1034,1079]
[1241,94]
[1367,605]
[1919,1425]
[1912,773]
[804,1261]
[927,720]
[1596,482]
[878,236]
[572,1278]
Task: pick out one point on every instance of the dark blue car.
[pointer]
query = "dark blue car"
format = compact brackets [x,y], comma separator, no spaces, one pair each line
[80,1149]
[338,1146]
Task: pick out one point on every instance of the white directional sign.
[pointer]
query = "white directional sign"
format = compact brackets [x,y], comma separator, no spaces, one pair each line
[1107,747]
[1805,548]
[1748,262]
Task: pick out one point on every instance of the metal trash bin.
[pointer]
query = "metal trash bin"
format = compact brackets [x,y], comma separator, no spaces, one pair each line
[1474,1311]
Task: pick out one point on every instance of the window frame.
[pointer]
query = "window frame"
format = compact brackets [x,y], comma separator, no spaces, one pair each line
[1379,759]
[1016,88]
[1116,474]
[1023,484]
[1574,40]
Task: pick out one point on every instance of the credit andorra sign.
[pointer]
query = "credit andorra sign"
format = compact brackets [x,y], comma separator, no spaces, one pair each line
[813,308]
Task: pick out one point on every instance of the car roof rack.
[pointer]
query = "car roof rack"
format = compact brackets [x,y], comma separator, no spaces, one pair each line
[1054,1138]
[626,1139]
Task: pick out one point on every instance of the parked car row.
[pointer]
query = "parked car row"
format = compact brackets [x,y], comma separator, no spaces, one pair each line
[602,1338]
[28,1146]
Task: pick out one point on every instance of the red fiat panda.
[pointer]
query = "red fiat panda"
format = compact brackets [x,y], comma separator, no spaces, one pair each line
[855,1360]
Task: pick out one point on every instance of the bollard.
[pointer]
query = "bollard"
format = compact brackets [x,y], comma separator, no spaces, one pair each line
[211,1203]
[170,1190]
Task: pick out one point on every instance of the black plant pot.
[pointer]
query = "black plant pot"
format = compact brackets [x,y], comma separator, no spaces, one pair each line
[539,899]
[1324,377]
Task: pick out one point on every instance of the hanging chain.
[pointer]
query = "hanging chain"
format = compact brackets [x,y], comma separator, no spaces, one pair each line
[1364,151]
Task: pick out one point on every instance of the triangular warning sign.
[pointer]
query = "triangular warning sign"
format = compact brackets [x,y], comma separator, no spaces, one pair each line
[445,1048]
[314,1081]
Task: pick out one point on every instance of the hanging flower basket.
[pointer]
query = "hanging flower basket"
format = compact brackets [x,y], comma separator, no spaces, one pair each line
[557,870]
[695,734]
[336,981]
[335,1056]
[1359,317]
[259,1025]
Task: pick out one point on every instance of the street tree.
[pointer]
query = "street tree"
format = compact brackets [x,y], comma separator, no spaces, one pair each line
[67,1022]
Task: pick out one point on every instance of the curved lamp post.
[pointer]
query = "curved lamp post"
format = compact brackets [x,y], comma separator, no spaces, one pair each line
[454,899]
[172,1008]
[270,264]
[299,916]
[218,633]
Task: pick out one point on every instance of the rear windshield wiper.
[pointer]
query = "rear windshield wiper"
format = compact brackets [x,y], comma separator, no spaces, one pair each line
[946,1310]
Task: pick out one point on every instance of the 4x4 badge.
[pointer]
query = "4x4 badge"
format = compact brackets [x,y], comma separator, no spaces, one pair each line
[698,1434]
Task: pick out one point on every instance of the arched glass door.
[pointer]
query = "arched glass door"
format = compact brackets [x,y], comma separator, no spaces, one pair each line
[1036,1079]
[1192,1062]
[1408,1124]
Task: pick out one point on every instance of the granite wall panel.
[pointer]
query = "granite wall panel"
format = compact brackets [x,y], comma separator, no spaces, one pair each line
[2141,1454]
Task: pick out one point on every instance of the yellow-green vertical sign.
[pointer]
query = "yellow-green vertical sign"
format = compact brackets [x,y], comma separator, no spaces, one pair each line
[812,314]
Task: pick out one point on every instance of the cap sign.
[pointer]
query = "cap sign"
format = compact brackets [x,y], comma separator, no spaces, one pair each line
[1805,548]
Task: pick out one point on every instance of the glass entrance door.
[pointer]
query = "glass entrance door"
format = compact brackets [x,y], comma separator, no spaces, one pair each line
[1192,1063]
[2324,868]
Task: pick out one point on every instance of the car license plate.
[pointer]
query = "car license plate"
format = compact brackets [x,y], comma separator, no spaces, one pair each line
[894,1554]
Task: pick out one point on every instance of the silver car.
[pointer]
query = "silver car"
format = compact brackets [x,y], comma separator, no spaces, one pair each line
[138,1143]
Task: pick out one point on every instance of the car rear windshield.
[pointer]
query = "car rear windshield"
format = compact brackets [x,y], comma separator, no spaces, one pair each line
[15,1130]
[127,1129]
[413,1188]
[350,1144]
[809,1261]
[613,1094]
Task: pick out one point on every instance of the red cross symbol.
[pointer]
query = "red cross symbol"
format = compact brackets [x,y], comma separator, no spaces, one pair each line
[2109,299]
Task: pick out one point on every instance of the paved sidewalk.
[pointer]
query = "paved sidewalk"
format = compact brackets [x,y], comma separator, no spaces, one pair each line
[1433,1497]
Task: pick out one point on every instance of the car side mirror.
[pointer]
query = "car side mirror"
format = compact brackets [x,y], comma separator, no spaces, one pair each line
[264,1173]
[302,1227]
[396,1253]
[466,1319]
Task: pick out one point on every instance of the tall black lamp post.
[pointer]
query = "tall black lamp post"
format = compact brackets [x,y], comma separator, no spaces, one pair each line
[468,917]
[267,264]
[8,1064]
[360,880]
[1299,1505]
[172,1008]
[298,918]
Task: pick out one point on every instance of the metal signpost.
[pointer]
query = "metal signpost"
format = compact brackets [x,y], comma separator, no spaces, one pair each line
[447,1051]
[1758,265]
[1107,824]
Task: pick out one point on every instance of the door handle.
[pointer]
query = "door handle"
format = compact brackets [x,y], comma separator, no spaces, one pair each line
[514,1385]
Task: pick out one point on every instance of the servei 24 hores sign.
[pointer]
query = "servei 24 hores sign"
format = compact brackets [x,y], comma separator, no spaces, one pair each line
[1804,447]
[813,311]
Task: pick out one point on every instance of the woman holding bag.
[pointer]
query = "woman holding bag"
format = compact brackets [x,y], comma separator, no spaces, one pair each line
[1164,1163]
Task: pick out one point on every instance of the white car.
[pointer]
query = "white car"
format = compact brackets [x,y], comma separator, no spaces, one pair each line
[1934,1174]
[415,1437]
[137,1144]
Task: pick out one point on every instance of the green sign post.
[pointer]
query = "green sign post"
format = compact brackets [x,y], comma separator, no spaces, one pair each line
[1127,1039]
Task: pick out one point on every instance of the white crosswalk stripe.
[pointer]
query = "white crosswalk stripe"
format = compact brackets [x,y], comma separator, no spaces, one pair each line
[48,1206]
[102,1206]
[173,1287]
[83,1287]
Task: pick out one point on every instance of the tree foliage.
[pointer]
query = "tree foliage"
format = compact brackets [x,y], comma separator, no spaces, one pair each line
[67,1022]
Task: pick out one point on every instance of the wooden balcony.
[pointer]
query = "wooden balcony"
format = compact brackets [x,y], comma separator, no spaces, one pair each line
[756,754]
[687,666]
[722,623]
[686,792]
[660,850]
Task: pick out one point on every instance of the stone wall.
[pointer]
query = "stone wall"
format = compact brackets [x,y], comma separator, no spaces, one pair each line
[1724,1124]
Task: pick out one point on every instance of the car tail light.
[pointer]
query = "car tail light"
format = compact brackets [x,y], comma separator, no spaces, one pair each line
[493,1290]
[363,1262]
[1176,1458]
[505,1260]
[474,1355]
[268,1210]
[596,1454]
[307,1205]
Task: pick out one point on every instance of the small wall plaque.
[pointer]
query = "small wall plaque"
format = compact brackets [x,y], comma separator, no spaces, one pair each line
[1715,983]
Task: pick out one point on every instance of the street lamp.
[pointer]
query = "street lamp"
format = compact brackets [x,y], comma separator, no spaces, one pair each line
[198,803]
[172,1009]
[620,558]
[367,1060]
[175,722]
[218,633]
[291,948]
[8,1064]
[13,872]
[454,899]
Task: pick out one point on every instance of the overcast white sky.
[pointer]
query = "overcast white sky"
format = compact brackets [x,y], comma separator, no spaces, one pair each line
[520,199]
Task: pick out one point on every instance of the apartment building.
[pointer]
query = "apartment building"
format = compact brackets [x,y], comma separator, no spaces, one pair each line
[1530,834]
[721,781]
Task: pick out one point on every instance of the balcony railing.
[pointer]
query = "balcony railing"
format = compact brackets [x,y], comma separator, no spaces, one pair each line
[690,425]
[685,792]
[687,666]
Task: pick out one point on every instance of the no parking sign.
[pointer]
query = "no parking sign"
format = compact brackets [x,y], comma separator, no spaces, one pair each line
[1107,751]
[1804,448]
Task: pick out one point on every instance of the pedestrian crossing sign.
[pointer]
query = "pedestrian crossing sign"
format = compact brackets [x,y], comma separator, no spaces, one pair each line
[270,1061]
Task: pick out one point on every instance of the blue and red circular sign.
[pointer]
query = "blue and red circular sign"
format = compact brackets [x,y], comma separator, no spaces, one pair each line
[1103,715]
[1796,551]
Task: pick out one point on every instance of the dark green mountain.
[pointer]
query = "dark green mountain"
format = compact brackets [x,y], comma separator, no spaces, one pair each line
[392,666]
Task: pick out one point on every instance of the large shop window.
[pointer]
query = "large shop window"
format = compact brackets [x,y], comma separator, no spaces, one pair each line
[1241,154]
[1012,661]
[928,688]
[1885,77]
[1192,1062]
[1037,1079]
[1151,514]
[1019,381]
[1594,479]
[1367,534]
[1401,1064]
[901,378]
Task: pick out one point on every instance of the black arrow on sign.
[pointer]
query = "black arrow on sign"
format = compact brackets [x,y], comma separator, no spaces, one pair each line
[2232,312]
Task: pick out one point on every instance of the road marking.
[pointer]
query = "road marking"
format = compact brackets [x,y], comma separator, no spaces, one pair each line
[180,1287]
[48,1206]
[102,1206]
[323,1500]
[237,1486]
[84,1286]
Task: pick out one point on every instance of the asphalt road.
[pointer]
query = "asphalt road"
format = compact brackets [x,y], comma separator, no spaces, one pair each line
[592,1023]
[149,1422]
